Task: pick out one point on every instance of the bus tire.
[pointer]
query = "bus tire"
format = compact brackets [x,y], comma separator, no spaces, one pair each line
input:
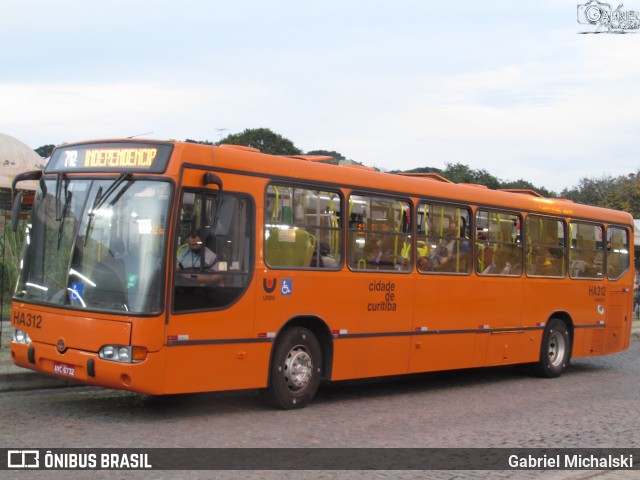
[295,371]
[555,350]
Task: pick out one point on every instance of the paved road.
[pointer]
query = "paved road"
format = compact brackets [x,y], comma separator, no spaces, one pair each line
[594,405]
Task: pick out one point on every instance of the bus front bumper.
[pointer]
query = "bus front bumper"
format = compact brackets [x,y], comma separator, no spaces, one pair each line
[88,367]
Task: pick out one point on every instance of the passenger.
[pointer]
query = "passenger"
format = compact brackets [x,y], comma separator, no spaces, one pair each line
[453,253]
[373,253]
[326,260]
[544,265]
[586,266]
[500,264]
[440,260]
[190,257]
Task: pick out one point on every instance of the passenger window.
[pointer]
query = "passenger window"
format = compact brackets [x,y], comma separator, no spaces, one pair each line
[213,255]
[545,251]
[444,239]
[379,233]
[617,252]
[586,259]
[302,228]
[498,243]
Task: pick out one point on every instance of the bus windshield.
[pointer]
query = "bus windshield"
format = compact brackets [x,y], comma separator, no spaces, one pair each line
[96,244]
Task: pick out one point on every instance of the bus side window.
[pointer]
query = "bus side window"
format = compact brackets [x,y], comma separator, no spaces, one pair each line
[498,237]
[545,250]
[302,228]
[586,259]
[444,239]
[617,252]
[226,249]
[379,233]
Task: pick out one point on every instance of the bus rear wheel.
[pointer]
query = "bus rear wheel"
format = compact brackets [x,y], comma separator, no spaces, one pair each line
[555,350]
[294,376]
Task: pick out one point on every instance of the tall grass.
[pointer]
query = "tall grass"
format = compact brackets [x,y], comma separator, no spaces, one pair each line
[10,250]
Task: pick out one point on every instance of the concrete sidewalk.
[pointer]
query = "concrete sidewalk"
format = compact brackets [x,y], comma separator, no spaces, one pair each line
[13,378]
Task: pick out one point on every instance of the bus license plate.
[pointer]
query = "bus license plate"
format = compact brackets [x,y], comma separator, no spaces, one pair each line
[64,369]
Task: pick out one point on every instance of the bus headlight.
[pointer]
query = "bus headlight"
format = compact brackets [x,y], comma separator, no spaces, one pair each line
[20,336]
[123,353]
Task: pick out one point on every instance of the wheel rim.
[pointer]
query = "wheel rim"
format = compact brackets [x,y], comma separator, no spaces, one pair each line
[298,368]
[557,348]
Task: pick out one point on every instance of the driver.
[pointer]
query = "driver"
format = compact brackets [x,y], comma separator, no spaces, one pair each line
[190,257]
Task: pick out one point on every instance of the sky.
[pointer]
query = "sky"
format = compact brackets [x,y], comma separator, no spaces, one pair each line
[508,87]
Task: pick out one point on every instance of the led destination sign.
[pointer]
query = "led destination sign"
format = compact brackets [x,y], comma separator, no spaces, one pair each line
[110,157]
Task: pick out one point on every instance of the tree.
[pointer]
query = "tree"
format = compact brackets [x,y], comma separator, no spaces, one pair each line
[526,185]
[626,195]
[264,140]
[459,173]
[45,150]
[593,191]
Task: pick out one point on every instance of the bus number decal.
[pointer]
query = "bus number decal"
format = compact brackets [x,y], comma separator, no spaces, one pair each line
[71,158]
[597,291]
[20,319]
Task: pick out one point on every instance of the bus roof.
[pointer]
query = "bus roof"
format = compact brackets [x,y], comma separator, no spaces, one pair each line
[408,185]
[235,158]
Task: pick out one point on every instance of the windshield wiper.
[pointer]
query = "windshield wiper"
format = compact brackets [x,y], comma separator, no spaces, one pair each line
[60,179]
[102,197]
[65,208]
[67,199]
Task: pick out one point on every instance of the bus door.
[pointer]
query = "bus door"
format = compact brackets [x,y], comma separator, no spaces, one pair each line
[211,321]
[498,288]
[448,303]
[620,290]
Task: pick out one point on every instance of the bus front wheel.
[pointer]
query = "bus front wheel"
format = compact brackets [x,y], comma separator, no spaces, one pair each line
[555,350]
[295,372]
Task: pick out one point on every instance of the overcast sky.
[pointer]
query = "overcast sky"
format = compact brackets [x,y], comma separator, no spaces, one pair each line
[506,86]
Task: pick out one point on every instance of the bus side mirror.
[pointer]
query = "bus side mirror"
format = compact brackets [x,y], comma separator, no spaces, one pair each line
[17,203]
[15,211]
[212,179]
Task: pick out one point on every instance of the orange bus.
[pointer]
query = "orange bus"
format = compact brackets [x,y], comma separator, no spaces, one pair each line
[168,267]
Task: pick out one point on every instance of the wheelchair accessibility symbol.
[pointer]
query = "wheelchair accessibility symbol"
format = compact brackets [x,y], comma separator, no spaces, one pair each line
[287,287]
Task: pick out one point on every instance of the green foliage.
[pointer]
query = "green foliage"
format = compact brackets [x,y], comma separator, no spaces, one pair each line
[45,150]
[264,140]
[459,173]
[12,244]
[621,193]
[526,185]
[626,195]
